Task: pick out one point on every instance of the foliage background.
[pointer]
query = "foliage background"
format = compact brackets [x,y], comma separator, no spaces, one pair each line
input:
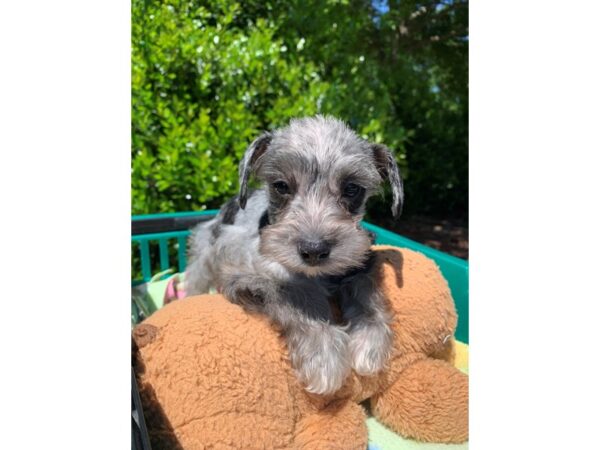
[208,76]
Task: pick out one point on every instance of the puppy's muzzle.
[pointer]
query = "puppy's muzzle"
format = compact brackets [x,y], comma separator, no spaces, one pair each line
[314,252]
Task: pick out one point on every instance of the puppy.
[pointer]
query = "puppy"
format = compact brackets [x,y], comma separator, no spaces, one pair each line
[295,251]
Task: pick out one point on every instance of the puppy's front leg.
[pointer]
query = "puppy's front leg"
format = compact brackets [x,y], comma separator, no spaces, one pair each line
[371,337]
[318,349]
[319,354]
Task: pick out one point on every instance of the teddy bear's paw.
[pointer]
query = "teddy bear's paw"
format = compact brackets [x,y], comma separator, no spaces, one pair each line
[370,348]
[322,363]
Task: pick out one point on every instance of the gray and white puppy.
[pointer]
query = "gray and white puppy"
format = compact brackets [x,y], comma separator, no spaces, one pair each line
[287,250]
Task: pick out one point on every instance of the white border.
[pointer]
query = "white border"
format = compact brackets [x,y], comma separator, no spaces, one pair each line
[64,181]
[534,78]
[65,221]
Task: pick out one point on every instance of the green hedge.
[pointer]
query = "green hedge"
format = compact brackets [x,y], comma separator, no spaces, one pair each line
[207,77]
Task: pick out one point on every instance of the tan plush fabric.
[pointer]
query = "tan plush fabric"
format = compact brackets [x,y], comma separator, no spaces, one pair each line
[213,377]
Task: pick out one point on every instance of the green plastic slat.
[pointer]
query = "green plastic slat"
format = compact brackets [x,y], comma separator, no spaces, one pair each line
[145,255]
[163,246]
[181,252]
[156,236]
[208,212]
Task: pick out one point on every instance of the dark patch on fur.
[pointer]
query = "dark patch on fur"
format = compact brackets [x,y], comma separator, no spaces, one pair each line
[230,210]
[277,206]
[248,299]
[249,162]
[215,232]
[228,214]
[354,204]
[372,237]
[388,169]
[365,268]
[264,220]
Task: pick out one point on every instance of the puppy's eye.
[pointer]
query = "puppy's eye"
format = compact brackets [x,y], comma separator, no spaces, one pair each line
[351,190]
[281,187]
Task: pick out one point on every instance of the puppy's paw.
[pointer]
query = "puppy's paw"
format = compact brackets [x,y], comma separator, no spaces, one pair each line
[370,348]
[321,361]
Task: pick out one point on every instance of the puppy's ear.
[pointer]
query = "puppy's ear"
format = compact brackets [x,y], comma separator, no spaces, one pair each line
[248,164]
[388,169]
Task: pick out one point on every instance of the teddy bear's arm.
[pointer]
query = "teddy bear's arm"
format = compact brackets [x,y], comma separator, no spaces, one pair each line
[364,308]
[428,402]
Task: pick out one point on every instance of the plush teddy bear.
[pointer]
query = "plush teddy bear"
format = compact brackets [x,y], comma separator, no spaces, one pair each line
[213,376]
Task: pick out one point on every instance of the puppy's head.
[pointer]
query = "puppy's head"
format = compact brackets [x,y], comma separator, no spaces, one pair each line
[318,175]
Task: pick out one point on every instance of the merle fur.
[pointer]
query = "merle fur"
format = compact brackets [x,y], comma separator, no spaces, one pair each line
[249,251]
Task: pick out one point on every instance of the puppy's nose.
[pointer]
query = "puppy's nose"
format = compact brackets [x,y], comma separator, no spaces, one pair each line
[313,252]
